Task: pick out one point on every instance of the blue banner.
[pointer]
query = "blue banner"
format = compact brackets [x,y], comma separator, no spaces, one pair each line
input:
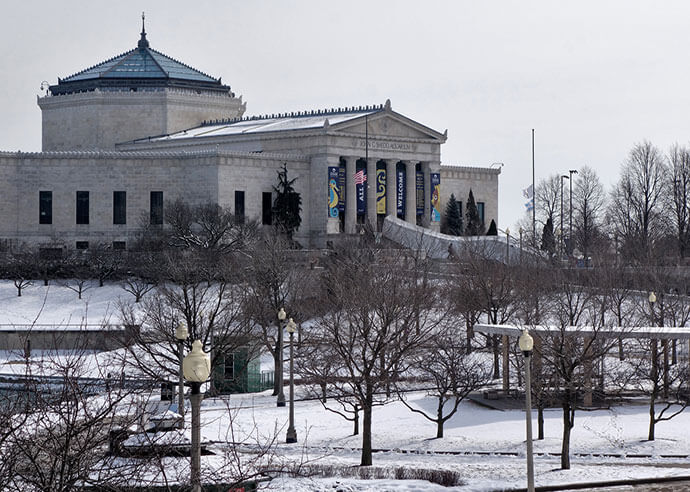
[400,192]
[435,197]
[341,187]
[333,191]
[381,191]
[419,192]
[361,187]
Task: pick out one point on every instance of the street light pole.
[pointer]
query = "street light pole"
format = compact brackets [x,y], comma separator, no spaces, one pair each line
[507,246]
[291,432]
[279,367]
[526,344]
[563,176]
[570,234]
[197,369]
[181,335]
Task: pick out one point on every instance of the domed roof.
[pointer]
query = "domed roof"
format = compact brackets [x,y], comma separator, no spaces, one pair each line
[140,68]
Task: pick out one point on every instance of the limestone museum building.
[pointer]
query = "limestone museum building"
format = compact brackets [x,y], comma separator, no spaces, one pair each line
[128,135]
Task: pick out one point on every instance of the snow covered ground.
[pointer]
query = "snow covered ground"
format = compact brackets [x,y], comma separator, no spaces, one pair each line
[486,447]
[481,436]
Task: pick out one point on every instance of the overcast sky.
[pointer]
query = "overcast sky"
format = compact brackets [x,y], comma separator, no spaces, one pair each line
[592,78]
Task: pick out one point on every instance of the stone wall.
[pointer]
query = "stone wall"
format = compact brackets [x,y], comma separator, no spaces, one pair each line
[100,119]
[198,177]
[482,181]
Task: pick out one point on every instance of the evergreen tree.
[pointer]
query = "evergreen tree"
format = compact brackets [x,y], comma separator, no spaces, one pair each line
[453,219]
[548,241]
[493,230]
[474,222]
[287,206]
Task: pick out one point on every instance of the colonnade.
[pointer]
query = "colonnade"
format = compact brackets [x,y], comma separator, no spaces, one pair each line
[391,193]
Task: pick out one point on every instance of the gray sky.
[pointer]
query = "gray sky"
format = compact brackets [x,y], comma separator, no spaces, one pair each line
[591,77]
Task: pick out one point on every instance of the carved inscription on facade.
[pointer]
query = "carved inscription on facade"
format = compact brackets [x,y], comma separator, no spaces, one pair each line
[383,145]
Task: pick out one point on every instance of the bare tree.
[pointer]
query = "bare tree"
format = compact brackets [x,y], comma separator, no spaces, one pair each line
[588,207]
[548,199]
[570,352]
[452,372]
[378,311]
[679,198]
[636,206]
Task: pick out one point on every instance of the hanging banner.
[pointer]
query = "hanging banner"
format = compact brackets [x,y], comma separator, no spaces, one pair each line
[361,190]
[419,192]
[341,188]
[381,191]
[333,191]
[435,197]
[400,193]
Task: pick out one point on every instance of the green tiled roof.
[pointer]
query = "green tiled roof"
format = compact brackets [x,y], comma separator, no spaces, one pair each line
[142,67]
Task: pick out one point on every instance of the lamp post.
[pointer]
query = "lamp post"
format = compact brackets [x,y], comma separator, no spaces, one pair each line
[521,231]
[279,367]
[526,343]
[291,433]
[181,335]
[507,246]
[197,368]
[560,245]
[570,234]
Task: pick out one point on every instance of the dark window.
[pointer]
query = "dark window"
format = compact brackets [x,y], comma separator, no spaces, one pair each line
[156,208]
[82,207]
[266,208]
[82,245]
[119,245]
[119,207]
[45,207]
[239,207]
[480,209]
[229,367]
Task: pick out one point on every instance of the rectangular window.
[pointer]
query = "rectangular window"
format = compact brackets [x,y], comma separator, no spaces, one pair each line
[119,207]
[480,209]
[156,208]
[266,208]
[239,207]
[45,207]
[119,245]
[82,245]
[82,207]
[229,367]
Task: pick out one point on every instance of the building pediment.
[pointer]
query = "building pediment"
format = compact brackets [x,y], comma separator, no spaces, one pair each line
[388,124]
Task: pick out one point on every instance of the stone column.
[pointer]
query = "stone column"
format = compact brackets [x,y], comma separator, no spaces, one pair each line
[426,171]
[391,188]
[505,363]
[350,195]
[410,193]
[371,192]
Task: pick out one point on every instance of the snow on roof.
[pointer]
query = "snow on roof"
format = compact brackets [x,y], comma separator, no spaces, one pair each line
[273,123]
[643,332]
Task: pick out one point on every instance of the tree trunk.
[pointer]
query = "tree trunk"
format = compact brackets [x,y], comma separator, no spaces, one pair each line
[497,369]
[366,430]
[655,388]
[565,445]
[621,354]
[355,432]
[439,419]
[540,421]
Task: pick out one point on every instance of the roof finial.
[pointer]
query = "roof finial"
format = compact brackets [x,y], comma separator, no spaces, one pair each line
[143,42]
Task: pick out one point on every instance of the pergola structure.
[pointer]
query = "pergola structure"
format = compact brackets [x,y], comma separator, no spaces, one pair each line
[507,332]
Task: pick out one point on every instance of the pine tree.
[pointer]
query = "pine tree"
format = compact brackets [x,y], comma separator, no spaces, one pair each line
[474,222]
[548,241]
[493,230]
[453,219]
[287,206]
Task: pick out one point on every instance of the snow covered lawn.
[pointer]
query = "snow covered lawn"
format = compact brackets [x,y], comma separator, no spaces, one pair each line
[479,434]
